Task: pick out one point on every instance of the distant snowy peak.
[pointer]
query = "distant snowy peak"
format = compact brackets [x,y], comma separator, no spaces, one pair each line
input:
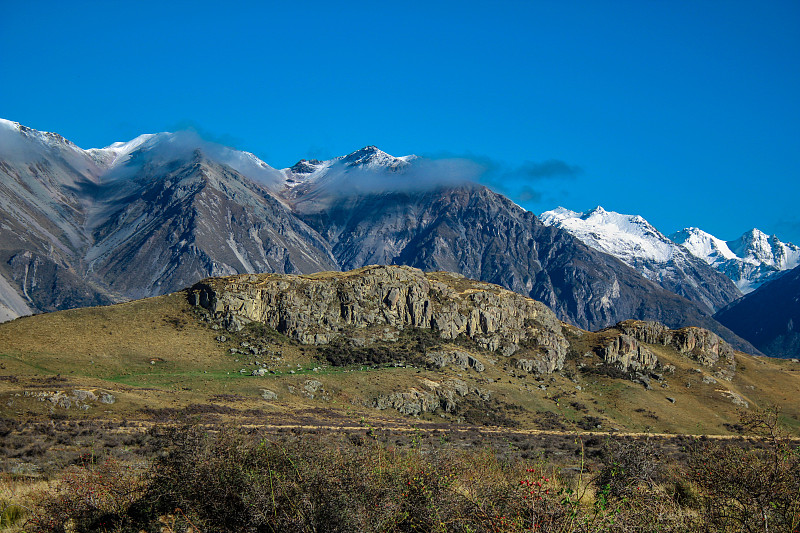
[43,137]
[374,158]
[370,159]
[119,152]
[634,241]
[749,261]
[20,146]
[122,158]
[704,245]
[628,237]
[757,246]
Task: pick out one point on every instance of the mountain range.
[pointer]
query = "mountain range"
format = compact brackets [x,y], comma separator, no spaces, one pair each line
[769,317]
[158,213]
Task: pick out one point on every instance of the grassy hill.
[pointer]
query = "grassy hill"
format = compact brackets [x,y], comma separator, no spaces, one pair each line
[158,358]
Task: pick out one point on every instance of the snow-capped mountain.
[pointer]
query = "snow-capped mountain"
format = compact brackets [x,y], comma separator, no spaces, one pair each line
[641,246]
[158,213]
[749,261]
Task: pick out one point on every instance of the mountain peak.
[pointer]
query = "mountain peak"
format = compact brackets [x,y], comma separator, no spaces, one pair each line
[45,137]
[374,157]
[306,166]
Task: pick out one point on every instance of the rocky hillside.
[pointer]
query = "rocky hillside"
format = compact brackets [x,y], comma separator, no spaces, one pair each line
[372,304]
[377,343]
[376,303]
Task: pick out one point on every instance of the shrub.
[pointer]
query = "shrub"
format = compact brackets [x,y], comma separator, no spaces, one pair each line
[629,467]
[753,488]
[92,497]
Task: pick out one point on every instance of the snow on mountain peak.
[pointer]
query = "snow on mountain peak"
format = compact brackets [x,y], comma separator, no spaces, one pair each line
[634,241]
[373,157]
[118,152]
[316,173]
[703,245]
[749,260]
[53,140]
[628,237]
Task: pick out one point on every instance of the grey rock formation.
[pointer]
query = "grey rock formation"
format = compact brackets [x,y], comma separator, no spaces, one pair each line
[317,309]
[429,397]
[627,353]
[699,344]
[268,395]
[458,358]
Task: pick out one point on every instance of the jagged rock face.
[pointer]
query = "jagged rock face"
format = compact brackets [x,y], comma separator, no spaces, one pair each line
[627,353]
[644,330]
[700,344]
[374,302]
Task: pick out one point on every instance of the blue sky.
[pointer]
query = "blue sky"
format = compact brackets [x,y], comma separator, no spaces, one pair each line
[684,112]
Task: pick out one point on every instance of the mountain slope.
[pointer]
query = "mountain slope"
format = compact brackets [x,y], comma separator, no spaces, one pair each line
[638,244]
[769,317]
[199,218]
[46,184]
[749,261]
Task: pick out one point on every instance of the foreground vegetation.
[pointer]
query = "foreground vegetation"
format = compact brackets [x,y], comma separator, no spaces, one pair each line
[238,480]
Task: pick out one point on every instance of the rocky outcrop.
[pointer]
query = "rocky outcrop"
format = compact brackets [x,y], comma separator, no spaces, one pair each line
[644,330]
[373,303]
[430,396]
[457,358]
[699,344]
[627,353]
[702,345]
[77,398]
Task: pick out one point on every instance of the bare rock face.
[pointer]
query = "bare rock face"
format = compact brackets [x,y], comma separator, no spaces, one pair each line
[699,344]
[702,345]
[373,303]
[457,358]
[644,330]
[628,354]
[430,396]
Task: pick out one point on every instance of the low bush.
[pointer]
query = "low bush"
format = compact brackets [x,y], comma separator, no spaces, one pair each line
[753,488]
